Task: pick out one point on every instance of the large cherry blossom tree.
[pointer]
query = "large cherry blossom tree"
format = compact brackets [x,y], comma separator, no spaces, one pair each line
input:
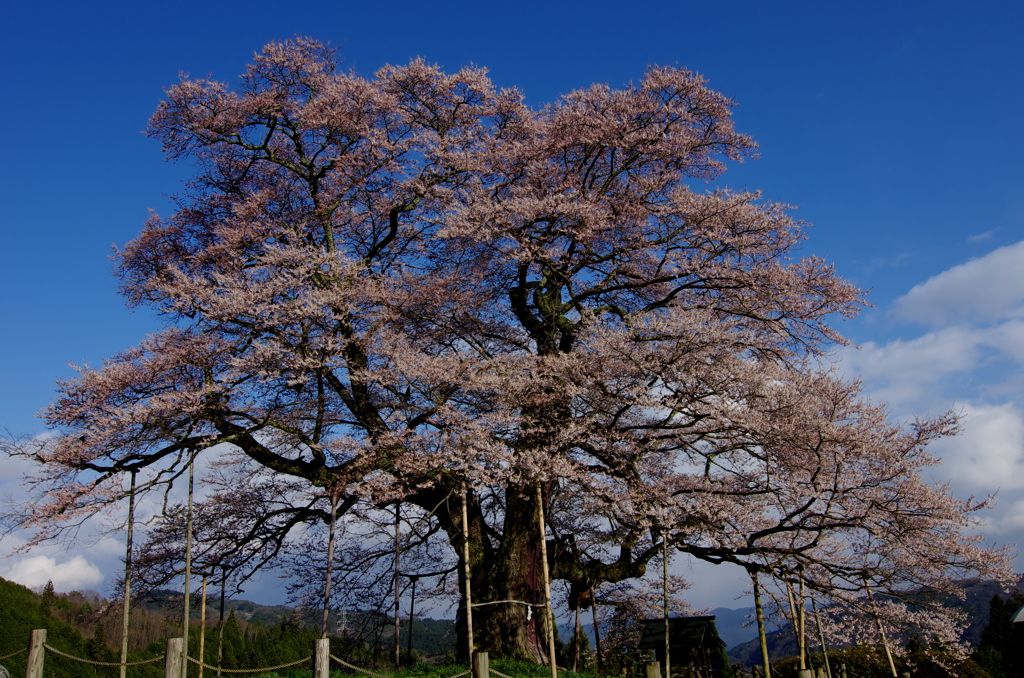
[381,288]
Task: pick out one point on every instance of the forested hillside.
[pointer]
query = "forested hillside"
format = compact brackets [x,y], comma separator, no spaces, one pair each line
[84,624]
[21,611]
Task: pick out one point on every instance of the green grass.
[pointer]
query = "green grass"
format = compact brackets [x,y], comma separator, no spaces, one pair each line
[514,669]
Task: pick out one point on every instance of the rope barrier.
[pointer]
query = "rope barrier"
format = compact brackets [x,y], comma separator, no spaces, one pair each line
[356,668]
[382,675]
[96,663]
[505,675]
[13,654]
[266,670]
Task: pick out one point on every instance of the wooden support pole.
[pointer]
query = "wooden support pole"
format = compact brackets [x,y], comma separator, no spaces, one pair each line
[330,564]
[174,659]
[821,637]
[795,621]
[127,605]
[664,584]
[576,640]
[322,667]
[762,638]
[466,574]
[397,651]
[202,630]
[597,630]
[36,652]
[802,616]
[220,627]
[881,631]
[546,583]
[188,564]
[412,613]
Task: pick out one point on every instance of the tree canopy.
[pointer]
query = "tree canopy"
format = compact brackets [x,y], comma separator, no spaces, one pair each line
[378,288]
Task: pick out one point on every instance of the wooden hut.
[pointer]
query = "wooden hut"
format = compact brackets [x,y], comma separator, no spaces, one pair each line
[695,649]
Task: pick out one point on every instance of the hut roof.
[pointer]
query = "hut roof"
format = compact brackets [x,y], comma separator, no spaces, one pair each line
[684,634]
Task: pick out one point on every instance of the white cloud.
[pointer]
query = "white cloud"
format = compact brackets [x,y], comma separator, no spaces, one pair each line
[973,362]
[988,455]
[34,571]
[979,237]
[904,371]
[1008,338]
[983,289]
[1005,519]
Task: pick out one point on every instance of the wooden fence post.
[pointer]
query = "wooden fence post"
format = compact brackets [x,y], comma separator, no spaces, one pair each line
[36,652]
[481,665]
[322,663]
[652,670]
[173,658]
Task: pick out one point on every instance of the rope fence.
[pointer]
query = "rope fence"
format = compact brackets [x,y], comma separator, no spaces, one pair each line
[13,654]
[491,671]
[356,668]
[266,670]
[96,663]
[383,675]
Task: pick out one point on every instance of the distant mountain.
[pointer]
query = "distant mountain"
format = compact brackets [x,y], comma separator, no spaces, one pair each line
[253,613]
[736,627]
[782,641]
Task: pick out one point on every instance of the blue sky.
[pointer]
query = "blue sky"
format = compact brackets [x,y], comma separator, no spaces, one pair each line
[897,128]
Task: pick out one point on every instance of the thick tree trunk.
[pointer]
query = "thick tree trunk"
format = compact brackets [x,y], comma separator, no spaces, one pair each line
[509,620]
[514,629]
[509,616]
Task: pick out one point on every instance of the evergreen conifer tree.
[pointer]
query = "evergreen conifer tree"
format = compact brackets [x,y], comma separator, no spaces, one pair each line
[1001,651]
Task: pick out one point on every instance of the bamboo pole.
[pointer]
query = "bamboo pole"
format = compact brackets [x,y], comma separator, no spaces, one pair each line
[412,613]
[664,585]
[126,609]
[762,638]
[881,631]
[188,566]
[220,630]
[330,564]
[202,630]
[397,652]
[821,637]
[802,610]
[796,624]
[466,574]
[576,640]
[597,630]
[546,583]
